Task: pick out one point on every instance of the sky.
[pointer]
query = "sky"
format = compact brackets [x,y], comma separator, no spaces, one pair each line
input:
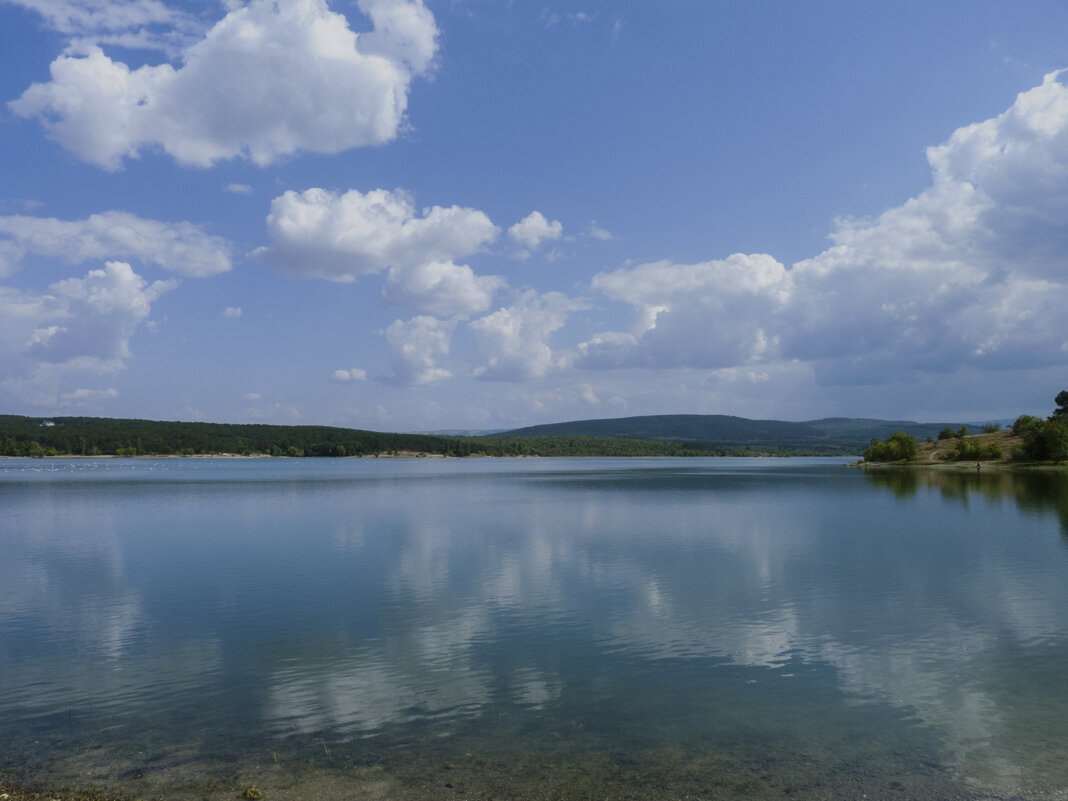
[427,215]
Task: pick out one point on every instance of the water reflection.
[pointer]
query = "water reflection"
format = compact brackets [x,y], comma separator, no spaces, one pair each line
[1038,492]
[643,607]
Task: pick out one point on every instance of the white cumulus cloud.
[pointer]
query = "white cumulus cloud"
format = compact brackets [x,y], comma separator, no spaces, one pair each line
[181,247]
[345,376]
[972,273]
[534,229]
[270,79]
[322,234]
[440,288]
[100,313]
[415,346]
[232,312]
[711,314]
[81,326]
[514,341]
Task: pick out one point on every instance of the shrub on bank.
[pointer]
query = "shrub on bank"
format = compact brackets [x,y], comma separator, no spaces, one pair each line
[972,451]
[898,447]
[1043,440]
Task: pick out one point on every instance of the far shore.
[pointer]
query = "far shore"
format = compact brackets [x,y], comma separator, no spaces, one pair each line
[412,455]
[389,455]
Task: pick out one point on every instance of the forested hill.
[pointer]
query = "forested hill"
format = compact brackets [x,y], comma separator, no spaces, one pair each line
[662,435]
[102,436]
[832,434]
[89,436]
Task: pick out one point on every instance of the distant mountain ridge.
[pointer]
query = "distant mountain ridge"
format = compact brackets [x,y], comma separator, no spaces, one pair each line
[847,434]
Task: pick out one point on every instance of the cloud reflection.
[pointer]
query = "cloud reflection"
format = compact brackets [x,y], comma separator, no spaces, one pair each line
[441,597]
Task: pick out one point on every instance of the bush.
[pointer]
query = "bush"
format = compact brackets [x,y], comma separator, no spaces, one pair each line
[1062,404]
[947,433]
[1024,423]
[992,428]
[1044,441]
[972,451]
[898,447]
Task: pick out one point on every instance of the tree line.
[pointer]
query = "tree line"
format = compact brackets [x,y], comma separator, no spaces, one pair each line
[100,436]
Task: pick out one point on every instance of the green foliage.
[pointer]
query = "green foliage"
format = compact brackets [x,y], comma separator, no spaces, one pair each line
[116,437]
[1046,441]
[25,436]
[898,447]
[1062,404]
[566,445]
[992,428]
[963,431]
[1024,423]
[829,436]
[947,433]
[973,451]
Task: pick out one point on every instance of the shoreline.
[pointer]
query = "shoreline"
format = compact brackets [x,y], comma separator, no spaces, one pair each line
[965,467]
[931,456]
[426,455]
[1001,465]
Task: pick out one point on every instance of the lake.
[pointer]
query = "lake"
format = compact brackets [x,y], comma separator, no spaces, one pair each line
[532,628]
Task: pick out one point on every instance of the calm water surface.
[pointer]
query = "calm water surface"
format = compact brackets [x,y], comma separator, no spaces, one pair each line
[733,628]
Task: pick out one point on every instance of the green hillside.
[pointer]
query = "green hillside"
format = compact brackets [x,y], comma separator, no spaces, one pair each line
[102,436]
[88,436]
[659,435]
[832,434]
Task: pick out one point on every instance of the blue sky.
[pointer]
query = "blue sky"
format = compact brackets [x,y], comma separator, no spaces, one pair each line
[465,214]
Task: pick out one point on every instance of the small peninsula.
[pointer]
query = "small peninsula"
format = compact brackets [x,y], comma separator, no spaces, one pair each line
[1030,442]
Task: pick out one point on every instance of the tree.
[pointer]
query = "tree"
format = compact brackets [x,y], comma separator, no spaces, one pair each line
[1024,423]
[971,451]
[898,447]
[1062,404]
[1045,442]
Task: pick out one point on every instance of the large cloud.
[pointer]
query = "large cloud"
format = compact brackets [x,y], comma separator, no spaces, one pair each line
[270,79]
[180,247]
[712,314]
[514,341]
[82,326]
[440,288]
[321,234]
[972,272]
[415,346]
[97,314]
